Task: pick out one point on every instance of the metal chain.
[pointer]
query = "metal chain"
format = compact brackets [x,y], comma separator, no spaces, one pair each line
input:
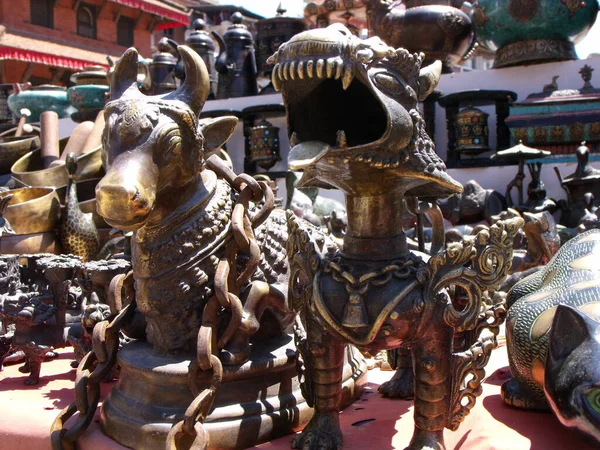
[105,342]
[189,432]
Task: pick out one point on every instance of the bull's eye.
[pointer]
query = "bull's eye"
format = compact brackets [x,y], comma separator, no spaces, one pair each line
[393,87]
[169,141]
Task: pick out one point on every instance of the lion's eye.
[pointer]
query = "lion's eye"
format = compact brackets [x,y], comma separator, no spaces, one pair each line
[393,87]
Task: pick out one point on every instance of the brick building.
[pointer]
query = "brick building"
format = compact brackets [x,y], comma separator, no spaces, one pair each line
[45,41]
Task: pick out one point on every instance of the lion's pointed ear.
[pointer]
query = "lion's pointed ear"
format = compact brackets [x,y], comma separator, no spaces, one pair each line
[217,131]
[429,78]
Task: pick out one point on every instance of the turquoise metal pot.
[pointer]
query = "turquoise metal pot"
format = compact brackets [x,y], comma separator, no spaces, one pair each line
[533,31]
[88,96]
[39,99]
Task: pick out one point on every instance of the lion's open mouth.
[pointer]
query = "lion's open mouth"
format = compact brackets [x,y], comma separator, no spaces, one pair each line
[352,112]
[325,105]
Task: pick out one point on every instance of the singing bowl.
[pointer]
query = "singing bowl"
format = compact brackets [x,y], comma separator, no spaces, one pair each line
[12,148]
[30,244]
[32,210]
[35,130]
[29,168]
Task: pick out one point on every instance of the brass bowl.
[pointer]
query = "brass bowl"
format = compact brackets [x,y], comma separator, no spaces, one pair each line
[12,148]
[32,210]
[30,244]
[29,168]
[35,131]
[86,194]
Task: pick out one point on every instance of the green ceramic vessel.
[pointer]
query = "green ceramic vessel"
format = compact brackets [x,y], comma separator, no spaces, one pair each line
[39,99]
[88,96]
[533,31]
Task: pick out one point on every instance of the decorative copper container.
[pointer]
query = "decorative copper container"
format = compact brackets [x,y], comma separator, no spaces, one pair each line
[236,62]
[263,141]
[472,131]
[202,43]
[444,31]
[90,75]
[271,33]
[162,68]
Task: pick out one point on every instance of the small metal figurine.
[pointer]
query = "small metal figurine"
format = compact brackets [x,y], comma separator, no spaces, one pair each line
[585,179]
[352,111]
[586,76]
[78,233]
[42,327]
[537,199]
[208,259]
[590,219]
[236,62]
[553,337]
[473,205]
[520,153]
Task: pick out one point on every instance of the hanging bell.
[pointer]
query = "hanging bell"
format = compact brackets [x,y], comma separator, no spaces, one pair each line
[355,314]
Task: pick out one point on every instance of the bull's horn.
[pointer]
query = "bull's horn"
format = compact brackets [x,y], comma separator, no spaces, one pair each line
[195,88]
[125,74]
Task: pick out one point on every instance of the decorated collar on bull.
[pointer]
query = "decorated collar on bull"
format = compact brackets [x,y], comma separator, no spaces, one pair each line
[354,125]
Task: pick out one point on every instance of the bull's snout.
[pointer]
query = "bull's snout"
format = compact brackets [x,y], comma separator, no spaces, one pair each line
[123,205]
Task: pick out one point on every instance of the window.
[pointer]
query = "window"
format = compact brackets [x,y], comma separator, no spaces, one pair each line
[42,13]
[86,21]
[125,28]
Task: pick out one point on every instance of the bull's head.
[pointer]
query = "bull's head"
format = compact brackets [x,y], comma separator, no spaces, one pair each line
[352,114]
[154,145]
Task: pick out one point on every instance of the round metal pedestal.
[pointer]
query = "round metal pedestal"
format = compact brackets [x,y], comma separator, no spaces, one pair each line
[257,402]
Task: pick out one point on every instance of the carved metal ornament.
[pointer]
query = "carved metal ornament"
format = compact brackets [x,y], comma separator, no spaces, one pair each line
[78,232]
[352,111]
[445,32]
[472,131]
[263,141]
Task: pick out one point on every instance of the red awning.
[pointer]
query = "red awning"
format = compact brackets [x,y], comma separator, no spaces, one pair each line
[45,58]
[154,7]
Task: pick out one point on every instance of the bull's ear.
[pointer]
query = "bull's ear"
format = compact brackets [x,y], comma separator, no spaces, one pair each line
[429,78]
[216,131]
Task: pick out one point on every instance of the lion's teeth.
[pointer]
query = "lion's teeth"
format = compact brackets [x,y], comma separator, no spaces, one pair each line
[301,70]
[330,67]
[294,139]
[275,79]
[348,77]
[320,67]
[339,69]
[309,68]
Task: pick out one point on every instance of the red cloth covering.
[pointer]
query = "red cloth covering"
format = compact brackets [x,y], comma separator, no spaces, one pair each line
[28,411]
[47,59]
[160,9]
